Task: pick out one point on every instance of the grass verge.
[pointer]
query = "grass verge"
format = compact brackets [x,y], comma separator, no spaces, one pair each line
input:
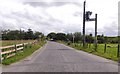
[28,50]
[111,53]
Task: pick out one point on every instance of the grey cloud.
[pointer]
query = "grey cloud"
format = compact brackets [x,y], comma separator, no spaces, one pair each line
[35,18]
[21,23]
[112,29]
[6,25]
[47,4]
[77,14]
[48,23]
[89,31]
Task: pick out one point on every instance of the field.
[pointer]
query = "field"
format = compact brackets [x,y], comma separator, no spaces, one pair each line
[12,42]
[111,51]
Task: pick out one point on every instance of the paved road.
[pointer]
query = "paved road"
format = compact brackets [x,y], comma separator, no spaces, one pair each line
[55,57]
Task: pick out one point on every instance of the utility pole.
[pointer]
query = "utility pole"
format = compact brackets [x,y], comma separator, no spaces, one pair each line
[95,32]
[84,23]
[86,17]
[73,39]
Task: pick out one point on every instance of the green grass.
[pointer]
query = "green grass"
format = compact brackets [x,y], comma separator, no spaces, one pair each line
[13,42]
[111,52]
[26,52]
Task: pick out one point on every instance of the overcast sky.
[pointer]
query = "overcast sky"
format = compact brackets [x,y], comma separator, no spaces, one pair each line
[59,15]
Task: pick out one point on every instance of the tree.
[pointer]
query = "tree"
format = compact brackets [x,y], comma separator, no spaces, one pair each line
[89,38]
[101,39]
[78,36]
[37,35]
[112,39]
[19,34]
[12,35]
[69,37]
[61,36]
[51,35]
[29,34]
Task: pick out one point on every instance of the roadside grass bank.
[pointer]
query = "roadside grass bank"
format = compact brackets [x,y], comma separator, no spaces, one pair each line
[28,50]
[110,52]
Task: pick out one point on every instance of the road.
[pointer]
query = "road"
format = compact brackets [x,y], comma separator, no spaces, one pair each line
[56,57]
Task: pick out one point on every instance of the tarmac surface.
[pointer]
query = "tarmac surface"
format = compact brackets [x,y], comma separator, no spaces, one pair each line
[56,57]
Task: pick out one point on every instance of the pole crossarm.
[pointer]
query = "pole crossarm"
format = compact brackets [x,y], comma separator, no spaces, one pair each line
[92,19]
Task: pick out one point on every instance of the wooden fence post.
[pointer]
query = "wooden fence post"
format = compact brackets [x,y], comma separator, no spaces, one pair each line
[118,51]
[0,57]
[30,45]
[105,48]
[15,49]
[23,46]
[89,45]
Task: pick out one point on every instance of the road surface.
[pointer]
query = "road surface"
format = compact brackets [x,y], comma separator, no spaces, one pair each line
[56,57]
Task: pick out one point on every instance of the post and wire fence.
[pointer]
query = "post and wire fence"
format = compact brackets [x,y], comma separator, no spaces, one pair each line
[102,48]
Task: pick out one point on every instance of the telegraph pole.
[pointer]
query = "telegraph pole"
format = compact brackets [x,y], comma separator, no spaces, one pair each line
[73,39]
[86,17]
[95,32]
[84,24]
